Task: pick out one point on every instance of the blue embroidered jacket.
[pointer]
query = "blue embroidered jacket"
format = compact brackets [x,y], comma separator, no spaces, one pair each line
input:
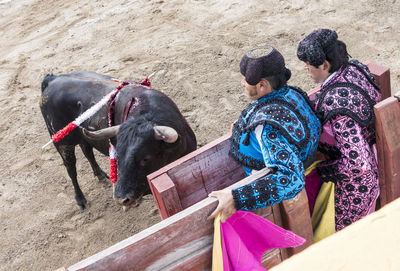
[289,141]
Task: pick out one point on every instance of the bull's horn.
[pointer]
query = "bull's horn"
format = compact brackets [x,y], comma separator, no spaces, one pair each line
[165,133]
[105,133]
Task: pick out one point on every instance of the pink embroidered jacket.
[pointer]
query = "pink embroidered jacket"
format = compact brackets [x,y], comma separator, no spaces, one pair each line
[345,107]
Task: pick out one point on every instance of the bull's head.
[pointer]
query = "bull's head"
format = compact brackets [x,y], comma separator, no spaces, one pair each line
[139,154]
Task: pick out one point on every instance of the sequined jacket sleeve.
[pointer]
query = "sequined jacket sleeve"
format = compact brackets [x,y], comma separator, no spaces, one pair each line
[355,153]
[286,181]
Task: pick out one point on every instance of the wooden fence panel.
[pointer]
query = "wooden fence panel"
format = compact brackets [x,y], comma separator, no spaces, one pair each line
[387,125]
[181,242]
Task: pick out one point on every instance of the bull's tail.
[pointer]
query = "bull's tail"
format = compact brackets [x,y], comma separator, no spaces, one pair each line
[47,79]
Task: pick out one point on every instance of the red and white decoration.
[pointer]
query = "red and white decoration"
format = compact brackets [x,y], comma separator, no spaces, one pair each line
[109,98]
[84,116]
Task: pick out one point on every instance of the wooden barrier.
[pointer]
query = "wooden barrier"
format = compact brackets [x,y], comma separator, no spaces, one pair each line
[183,240]
[382,77]
[387,125]
[192,177]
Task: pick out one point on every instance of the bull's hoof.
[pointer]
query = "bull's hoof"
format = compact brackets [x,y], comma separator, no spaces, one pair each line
[103,177]
[82,203]
[83,206]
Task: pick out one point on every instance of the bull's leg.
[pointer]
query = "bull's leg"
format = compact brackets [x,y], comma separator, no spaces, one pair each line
[68,155]
[97,171]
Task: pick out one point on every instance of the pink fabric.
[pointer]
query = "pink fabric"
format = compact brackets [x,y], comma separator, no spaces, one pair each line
[245,238]
[347,142]
[313,185]
[356,194]
[327,135]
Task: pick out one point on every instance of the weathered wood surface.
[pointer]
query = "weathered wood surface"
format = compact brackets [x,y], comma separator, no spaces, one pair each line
[387,125]
[180,242]
[296,217]
[382,77]
[192,177]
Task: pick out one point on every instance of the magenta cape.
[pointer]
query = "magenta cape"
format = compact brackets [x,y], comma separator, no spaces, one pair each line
[245,238]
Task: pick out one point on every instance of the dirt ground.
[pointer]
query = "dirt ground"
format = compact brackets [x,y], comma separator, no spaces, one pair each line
[194,46]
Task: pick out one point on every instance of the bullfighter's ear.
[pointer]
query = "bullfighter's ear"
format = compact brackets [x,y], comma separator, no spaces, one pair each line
[165,133]
[102,134]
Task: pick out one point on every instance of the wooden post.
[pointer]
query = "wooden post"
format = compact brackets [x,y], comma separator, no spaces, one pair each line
[296,217]
[192,177]
[387,125]
[166,196]
[382,76]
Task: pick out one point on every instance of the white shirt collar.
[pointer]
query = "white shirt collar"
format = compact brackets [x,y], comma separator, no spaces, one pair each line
[327,79]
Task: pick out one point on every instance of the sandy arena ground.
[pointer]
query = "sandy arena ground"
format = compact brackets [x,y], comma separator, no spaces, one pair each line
[194,46]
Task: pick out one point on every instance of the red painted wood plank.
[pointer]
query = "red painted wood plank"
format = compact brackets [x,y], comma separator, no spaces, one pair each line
[195,176]
[296,217]
[167,245]
[186,173]
[199,262]
[272,258]
[382,76]
[175,243]
[276,210]
[380,139]
[210,170]
[166,196]
[188,156]
[387,114]
[189,182]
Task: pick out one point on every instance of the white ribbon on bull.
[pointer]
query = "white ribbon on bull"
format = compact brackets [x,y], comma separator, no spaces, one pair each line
[164,133]
[85,115]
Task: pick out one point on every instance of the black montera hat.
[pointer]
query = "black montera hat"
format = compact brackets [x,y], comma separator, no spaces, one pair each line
[261,62]
[313,48]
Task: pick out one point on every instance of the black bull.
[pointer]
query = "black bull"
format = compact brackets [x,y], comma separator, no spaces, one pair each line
[154,133]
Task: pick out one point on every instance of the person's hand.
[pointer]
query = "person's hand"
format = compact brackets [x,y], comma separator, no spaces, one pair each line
[225,206]
[233,125]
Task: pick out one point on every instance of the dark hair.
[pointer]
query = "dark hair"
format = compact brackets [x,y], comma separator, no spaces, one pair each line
[321,45]
[279,80]
[337,55]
